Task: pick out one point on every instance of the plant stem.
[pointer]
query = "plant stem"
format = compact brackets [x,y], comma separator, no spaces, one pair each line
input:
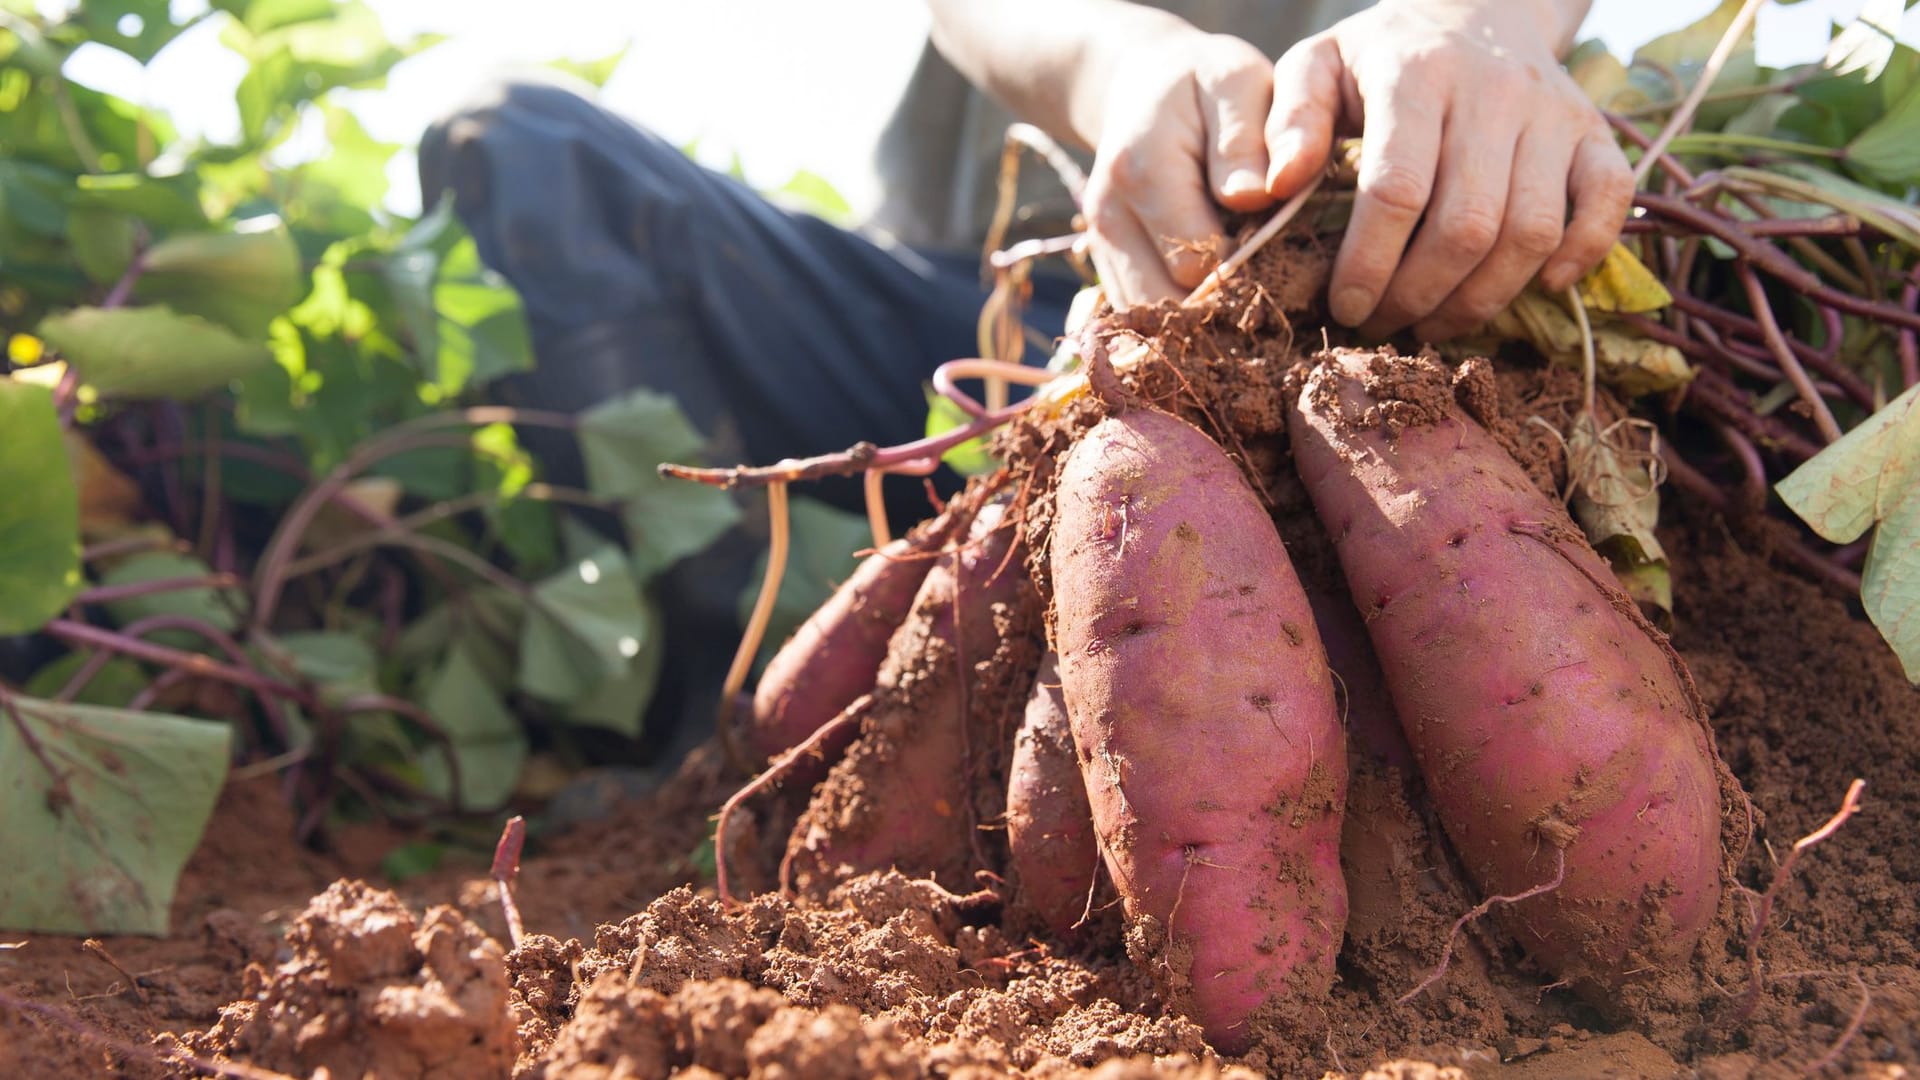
[122,289]
[1717,396]
[1287,212]
[921,455]
[80,634]
[1828,225]
[1683,116]
[132,545]
[1766,257]
[107,594]
[1909,352]
[59,794]
[1783,355]
[1711,142]
[388,534]
[1743,93]
[779,530]
[271,576]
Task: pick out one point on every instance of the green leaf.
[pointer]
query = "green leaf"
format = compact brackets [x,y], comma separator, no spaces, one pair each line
[214,607]
[149,21]
[465,321]
[482,329]
[296,59]
[163,202]
[31,198]
[619,704]
[103,242]
[100,850]
[585,625]
[1855,482]
[342,665]
[484,737]
[39,514]
[820,550]
[354,168]
[1684,52]
[116,683]
[1890,581]
[595,72]
[150,352]
[242,280]
[623,443]
[261,16]
[970,458]
[412,860]
[1871,479]
[1889,150]
[810,193]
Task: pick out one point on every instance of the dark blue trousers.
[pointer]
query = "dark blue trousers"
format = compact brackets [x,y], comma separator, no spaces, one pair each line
[780,334]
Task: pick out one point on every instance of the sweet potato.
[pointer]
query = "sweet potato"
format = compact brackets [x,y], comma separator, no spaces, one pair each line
[1050,845]
[835,655]
[1204,717]
[902,795]
[1550,721]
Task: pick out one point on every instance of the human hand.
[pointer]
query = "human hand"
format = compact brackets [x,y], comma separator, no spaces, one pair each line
[1468,121]
[1180,135]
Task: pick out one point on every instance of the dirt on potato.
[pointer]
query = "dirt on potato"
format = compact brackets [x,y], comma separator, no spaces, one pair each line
[290,962]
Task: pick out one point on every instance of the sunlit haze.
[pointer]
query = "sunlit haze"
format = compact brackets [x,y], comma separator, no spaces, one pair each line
[783,85]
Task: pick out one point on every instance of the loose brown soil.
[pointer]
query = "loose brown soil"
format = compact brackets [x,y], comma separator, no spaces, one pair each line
[293,962]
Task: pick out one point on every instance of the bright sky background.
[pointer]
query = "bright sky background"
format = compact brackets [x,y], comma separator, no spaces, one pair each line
[784,84]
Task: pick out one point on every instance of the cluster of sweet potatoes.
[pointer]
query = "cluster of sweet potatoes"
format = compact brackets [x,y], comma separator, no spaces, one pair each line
[1158,704]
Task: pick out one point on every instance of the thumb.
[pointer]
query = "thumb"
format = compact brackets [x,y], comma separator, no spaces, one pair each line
[1306,102]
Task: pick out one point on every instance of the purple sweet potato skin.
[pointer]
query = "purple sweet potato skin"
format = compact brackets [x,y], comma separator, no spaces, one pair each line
[1050,844]
[1542,714]
[1204,716]
[836,653]
[901,795]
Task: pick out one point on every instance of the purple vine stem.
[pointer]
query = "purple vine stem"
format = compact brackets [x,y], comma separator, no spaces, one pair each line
[130,641]
[271,575]
[107,594]
[1909,352]
[1829,366]
[1778,264]
[857,458]
[1844,582]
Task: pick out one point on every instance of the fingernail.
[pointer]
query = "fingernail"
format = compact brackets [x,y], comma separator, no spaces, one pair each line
[1350,305]
[1283,150]
[1557,276]
[1242,182]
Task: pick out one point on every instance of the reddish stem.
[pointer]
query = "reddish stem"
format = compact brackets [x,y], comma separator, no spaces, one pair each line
[1775,262]
[1909,352]
[107,594]
[1754,490]
[1827,364]
[80,634]
[1783,353]
[1716,395]
[921,453]
[506,867]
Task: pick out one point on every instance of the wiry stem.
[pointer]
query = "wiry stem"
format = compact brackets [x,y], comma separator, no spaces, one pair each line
[1783,355]
[756,623]
[1849,805]
[1683,116]
[1287,212]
